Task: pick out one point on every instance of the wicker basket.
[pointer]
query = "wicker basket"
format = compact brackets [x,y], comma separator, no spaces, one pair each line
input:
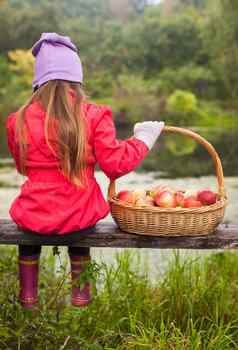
[158,221]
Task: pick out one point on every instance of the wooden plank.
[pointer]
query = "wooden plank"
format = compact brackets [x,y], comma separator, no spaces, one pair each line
[108,235]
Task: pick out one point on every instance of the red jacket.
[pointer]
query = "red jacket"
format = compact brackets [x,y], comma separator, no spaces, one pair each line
[48,203]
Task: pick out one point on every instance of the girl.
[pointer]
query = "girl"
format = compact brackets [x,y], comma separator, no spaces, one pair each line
[56,139]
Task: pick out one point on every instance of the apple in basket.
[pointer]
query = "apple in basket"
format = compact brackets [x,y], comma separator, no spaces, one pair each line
[192,202]
[207,197]
[190,192]
[139,194]
[165,199]
[180,199]
[126,196]
[145,202]
[159,189]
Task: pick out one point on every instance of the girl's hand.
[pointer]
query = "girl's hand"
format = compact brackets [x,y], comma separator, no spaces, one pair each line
[148,132]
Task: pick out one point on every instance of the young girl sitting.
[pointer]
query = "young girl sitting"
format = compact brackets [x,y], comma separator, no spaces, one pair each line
[56,139]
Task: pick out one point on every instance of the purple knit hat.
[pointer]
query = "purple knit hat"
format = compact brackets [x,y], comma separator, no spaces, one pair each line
[56,58]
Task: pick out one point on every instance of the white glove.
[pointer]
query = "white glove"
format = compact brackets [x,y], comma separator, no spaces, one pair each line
[148,132]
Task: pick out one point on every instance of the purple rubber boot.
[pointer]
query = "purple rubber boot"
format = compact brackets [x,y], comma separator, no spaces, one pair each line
[28,276]
[80,296]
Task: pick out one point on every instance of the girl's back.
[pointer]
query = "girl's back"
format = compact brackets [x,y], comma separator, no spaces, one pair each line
[56,139]
[49,202]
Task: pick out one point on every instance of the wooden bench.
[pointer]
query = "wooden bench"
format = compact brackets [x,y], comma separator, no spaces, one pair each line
[108,235]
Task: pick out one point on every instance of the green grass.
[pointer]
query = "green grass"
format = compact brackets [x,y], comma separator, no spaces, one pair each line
[4,184]
[192,306]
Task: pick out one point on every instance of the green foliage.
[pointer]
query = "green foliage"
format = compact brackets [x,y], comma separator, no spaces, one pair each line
[199,79]
[98,84]
[21,26]
[180,146]
[182,101]
[6,75]
[16,80]
[181,4]
[214,118]
[179,41]
[182,108]
[220,39]
[22,68]
[174,61]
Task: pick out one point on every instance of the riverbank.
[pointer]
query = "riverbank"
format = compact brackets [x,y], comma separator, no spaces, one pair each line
[145,299]
[193,306]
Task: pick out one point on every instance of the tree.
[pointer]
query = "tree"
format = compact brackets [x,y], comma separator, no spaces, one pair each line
[222,44]
[195,3]
[121,10]
[20,28]
[169,42]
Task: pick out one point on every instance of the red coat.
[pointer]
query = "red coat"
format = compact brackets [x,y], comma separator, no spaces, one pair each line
[48,202]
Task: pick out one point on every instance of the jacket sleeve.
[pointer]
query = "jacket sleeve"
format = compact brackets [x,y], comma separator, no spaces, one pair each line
[115,157]
[12,146]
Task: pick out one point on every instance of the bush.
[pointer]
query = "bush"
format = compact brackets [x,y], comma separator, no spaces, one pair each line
[182,101]
[132,98]
[98,84]
[182,108]
[199,79]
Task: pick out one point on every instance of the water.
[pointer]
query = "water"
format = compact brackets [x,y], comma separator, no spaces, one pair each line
[157,260]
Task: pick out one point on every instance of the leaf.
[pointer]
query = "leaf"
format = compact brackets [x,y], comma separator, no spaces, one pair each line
[180,146]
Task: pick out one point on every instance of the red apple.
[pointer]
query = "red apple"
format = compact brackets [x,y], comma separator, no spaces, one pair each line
[159,189]
[179,196]
[126,196]
[207,197]
[165,199]
[192,202]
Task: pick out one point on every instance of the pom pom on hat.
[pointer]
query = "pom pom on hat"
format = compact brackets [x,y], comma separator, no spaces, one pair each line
[56,58]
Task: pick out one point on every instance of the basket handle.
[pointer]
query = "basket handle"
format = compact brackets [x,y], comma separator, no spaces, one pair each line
[211,150]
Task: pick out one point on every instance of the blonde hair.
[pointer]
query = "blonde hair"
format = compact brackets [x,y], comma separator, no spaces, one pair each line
[64,121]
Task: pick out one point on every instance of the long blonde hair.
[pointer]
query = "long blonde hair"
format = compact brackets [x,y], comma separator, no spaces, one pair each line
[65,120]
